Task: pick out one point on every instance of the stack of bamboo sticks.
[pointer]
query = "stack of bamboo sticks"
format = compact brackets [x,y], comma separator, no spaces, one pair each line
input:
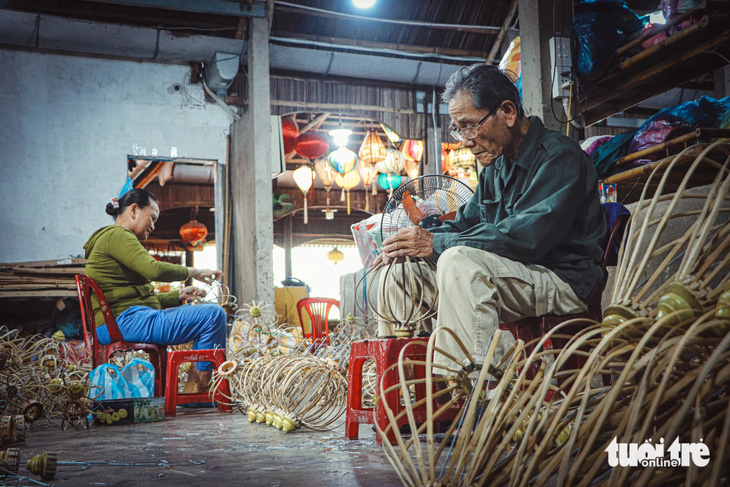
[46,278]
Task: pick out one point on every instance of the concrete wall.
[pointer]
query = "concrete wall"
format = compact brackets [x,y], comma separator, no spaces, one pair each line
[66,126]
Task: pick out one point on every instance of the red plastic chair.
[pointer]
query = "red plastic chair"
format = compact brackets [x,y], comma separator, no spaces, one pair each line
[318,310]
[528,329]
[100,353]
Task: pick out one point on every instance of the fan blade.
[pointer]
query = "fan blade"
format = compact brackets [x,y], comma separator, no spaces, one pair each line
[448,216]
[414,213]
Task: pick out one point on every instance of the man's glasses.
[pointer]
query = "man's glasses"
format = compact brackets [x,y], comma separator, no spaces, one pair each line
[469,132]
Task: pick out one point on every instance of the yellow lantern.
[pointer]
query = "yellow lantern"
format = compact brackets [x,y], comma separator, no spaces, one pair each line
[411,168]
[335,255]
[304,176]
[367,174]
[347,182]
[372,149]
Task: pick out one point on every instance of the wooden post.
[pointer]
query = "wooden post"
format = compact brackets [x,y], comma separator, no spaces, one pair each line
[288,244]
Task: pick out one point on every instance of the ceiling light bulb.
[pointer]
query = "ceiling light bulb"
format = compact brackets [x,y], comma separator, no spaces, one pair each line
[363,3]
[340,136]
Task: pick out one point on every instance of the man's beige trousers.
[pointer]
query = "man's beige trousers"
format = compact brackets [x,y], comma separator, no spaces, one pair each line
[478,290]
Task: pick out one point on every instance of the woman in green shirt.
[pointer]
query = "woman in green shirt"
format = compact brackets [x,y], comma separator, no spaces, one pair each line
[123,269]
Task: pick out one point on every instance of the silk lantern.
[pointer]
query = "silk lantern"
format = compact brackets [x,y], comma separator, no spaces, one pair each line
[412,149]
[327,175]
[389,182]
[393,137]
[311,145]
[289,132]
[336,255]
[193,232]
[348,181]
[411,168]
[304,176]
[372,150]
[343,160]
[393,163]
[367,173]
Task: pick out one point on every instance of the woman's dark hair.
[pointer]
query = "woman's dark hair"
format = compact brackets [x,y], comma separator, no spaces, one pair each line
[487,85]
[142,197]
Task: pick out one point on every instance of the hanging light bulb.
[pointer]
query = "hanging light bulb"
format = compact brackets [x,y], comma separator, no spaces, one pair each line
[304,176]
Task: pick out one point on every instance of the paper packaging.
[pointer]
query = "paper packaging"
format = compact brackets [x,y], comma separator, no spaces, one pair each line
[127,411]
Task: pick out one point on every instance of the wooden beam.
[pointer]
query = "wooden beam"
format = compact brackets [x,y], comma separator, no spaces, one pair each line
[382,45]
[505,25]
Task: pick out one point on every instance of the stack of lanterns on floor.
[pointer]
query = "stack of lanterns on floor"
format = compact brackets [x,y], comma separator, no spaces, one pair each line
[277,377]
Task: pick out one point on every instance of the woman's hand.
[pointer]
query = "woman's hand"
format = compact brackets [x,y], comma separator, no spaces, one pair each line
[190,293]
[204,274]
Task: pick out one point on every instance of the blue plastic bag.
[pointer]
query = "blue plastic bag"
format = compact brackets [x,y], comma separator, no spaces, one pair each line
[136,379]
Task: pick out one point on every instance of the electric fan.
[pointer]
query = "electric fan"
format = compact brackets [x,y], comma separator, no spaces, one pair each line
[427,202]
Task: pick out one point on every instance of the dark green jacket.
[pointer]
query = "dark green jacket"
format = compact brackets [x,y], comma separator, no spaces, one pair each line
[542,208]
[123,269]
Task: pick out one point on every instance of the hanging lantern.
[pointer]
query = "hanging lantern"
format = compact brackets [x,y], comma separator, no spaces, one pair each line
[372,150]
[289,132]
[389,182]
[193,232]
[446,148]
[412,149]
[304,176]
[311,145]
[392,136]
[411,168]
[462,158]
[393,164]
[348,181]
[367,173]
[327,175]
[343,160]
[335,255]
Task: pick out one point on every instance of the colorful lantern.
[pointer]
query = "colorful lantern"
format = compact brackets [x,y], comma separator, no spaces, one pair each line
[348,181]
[289,132]
[367,173]
[393,164]
[372,150]
[412,149]
[392,136]
[389,182]
[343,160]
[411,168]
[446,148]
[312,145]
[462,158]
[193,232]
[327,175]
[304,176]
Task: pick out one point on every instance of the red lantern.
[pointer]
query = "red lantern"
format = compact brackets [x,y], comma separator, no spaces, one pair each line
[312,145]
[290,132]
[193,231]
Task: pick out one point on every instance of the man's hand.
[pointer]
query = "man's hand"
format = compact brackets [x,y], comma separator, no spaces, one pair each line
[190,293]
[411,242]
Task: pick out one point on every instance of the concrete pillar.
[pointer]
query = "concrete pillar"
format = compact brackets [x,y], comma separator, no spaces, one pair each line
[539,21]
[253,224]
[432,159]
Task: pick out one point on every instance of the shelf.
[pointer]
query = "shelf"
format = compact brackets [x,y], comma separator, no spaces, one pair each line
[701,48]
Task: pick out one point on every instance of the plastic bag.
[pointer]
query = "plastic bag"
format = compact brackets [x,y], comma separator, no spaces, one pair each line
[592,144]
[604,158]
[136,379]
[600,27]
[672,122]
[672,8]
[368,239]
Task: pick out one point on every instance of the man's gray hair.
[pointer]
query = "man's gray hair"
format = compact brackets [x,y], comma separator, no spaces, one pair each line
[487,85]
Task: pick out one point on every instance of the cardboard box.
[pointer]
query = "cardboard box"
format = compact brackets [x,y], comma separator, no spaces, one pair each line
[137,410]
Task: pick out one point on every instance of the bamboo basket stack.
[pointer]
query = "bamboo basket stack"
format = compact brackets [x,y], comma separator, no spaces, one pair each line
[664,343]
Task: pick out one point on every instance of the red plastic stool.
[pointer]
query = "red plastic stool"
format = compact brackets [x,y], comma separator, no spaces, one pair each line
[174,359]
[385,353]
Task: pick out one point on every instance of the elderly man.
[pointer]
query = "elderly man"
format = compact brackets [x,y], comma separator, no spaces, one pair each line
[528,241]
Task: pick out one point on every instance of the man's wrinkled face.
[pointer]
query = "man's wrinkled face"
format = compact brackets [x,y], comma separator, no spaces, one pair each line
[492,134]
